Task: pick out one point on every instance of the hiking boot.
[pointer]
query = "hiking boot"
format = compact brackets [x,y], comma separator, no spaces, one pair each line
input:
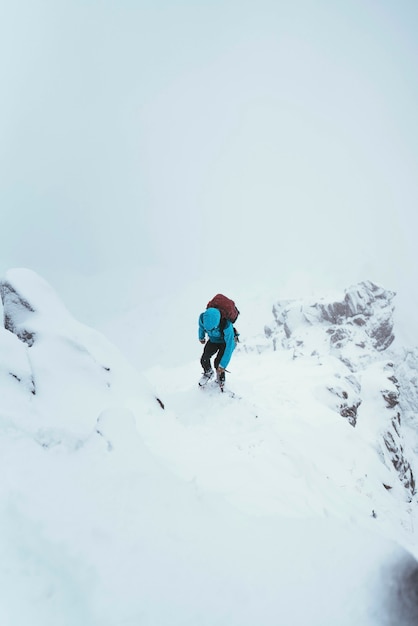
[220,379]
[206,376]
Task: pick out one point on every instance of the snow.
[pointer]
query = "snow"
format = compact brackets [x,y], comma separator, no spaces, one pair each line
[264,508]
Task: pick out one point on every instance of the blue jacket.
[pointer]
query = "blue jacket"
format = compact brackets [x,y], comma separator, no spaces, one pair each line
[209,324]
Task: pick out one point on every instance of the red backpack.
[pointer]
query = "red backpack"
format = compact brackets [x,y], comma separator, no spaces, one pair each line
[226,307]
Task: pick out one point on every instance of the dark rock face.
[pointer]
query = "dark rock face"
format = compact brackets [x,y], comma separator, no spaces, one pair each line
[362,317]
[393,436]
[358,300]
[16,310]
[382,335]
[346,392]
[338,336]
[370,307]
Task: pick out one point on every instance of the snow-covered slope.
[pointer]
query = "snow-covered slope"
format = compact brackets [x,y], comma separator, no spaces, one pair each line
[284,504]
[319,396]
[62,372]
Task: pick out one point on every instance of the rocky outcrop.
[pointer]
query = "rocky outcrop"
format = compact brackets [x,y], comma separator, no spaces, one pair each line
[366,306]
[16,313]
[16,310]
[349,400]
[356,328]
[362,317]
[393,447]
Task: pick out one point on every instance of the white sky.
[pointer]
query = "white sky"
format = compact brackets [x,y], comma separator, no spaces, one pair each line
[276,136]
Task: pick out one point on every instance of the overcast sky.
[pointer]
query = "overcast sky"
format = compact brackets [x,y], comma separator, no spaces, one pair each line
[210,134]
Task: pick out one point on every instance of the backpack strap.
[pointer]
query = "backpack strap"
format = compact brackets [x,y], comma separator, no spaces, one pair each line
[223,323]
[222,326]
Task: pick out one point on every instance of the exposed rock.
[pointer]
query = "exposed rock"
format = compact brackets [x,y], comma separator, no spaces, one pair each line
[15,367]
[391,440]
[338,336]
[399,462]
[350,412]
[391,398]
[346,398]
[357,329]
[360,300]
[363,316]
[16,311]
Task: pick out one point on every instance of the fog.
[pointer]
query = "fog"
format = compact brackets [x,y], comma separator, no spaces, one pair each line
[211,139]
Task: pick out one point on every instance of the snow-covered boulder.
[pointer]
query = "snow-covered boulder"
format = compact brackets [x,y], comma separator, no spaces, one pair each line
[68,373]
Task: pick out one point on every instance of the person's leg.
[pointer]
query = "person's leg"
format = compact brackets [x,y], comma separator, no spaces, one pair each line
[209,350]
[220,377]
[220,354]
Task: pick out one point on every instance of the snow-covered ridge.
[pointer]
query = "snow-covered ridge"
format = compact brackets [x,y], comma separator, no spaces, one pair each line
[72,373]
[321,428]
[357,329]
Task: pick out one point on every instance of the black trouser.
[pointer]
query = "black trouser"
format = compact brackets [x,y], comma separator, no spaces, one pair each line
[209,350]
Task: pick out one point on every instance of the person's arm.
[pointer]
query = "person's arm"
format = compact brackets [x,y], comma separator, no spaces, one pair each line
[202,332]
[230,345]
